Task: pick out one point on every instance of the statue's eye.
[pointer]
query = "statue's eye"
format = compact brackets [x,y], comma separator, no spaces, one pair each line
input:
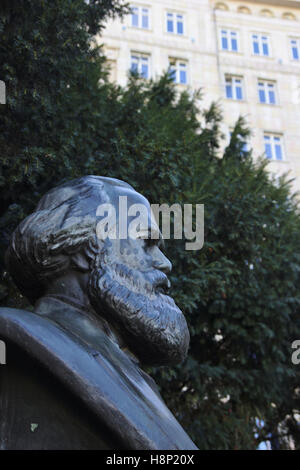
[150,242]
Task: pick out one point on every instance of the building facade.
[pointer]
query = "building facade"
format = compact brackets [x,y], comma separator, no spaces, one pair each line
[244,54]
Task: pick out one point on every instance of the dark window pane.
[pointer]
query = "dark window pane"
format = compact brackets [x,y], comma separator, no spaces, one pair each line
[255,47]
[144,70]
[170,26]
[183,78]
[145,22]
[295,53]
[271,97]
[262,96]
[234,45]
[268,150]
[172,74]
[224,43]
[278,152]
[134,67]
[228,91]
[265,48]
[134,19]
[239,93]
[179,27]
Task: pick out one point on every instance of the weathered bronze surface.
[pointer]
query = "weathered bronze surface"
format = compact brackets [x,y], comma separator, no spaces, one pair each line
[73,376]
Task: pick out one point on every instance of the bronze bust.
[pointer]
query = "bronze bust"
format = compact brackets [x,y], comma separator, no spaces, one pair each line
[73,377]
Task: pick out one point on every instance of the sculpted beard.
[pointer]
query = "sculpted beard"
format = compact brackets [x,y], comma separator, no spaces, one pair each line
[150,322]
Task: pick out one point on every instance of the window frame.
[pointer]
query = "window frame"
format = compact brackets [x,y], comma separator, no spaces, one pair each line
[271,138]
[140,57]
[229,36]
[297,40]
[266,83]
[261,42]
[175,15]
[235,81]
[139,15]
[178,69]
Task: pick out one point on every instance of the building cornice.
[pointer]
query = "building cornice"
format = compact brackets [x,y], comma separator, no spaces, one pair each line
[278,3]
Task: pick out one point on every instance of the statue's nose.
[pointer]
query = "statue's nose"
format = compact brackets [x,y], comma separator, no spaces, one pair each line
[161,262]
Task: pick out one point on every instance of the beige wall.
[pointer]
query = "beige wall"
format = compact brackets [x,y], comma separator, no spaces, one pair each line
[199,46]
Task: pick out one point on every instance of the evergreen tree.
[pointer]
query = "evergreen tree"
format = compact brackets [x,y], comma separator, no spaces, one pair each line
[55,107]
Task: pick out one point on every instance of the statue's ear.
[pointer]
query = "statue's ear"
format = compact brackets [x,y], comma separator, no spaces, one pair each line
[80,261]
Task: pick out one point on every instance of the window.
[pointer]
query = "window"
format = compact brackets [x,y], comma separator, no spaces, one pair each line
[266,92]
[175,23]
[178,71]
[234,87]
[273,146]
[140,64]
[260,45]
[229,40]
[295,48]
[245,144]
[140,17]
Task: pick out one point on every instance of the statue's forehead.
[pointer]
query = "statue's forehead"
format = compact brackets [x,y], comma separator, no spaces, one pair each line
[132,197]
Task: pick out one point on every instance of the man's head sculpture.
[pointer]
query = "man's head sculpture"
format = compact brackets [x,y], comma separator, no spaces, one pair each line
[57,251]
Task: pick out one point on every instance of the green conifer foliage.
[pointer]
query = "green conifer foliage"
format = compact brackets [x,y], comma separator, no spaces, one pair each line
[240,292]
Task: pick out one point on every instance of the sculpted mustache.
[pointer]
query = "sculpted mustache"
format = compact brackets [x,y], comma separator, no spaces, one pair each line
[150,282]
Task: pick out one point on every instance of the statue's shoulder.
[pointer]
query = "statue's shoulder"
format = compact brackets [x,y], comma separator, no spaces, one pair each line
[12,312]
[15,315]
[19,325]
[40,379]
[14,321]
[43,339]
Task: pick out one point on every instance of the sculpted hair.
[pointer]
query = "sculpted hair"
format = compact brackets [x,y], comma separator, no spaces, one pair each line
[63,223]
